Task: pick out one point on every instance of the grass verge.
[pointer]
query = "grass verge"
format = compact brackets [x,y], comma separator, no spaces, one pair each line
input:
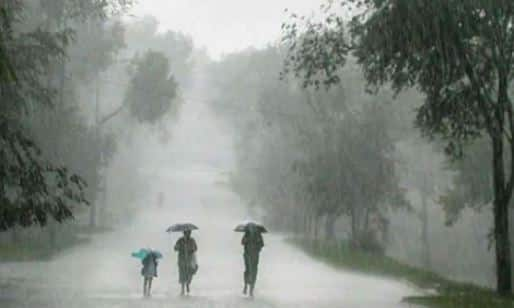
[450,294]
[26,251]
[34,251]
[42,247]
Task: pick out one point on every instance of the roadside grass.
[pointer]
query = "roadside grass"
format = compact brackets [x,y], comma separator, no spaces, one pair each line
[42,248]
[465,300]
[449,294]
[25,251]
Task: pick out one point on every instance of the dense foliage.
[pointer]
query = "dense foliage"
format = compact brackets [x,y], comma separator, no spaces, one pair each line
[457,53]
[152,90]
[309,157]
[32,189]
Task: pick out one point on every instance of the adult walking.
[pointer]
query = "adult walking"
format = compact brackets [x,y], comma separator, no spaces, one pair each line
[253,243]
[186,248]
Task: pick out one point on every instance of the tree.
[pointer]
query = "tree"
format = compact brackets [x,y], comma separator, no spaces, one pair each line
[473,182]
[152,90]
[94,50]
[97,44]
[143,34]
[151,94]
[32,188]
[299,153]
[354,172]
[96,39]
[459,54]
[35,39]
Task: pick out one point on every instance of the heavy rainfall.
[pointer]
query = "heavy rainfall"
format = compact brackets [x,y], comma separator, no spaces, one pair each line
[228,153]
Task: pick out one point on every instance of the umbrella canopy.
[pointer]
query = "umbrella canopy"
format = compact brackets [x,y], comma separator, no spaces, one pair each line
[247,226]
[182,227]
[143,253]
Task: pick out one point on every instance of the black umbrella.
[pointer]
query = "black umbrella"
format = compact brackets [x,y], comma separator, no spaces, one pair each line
[182,227]
[243,227]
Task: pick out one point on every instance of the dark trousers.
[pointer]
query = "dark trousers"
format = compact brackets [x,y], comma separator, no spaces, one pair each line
[251,266]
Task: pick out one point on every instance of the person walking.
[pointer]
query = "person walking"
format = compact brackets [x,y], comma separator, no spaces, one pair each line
[149,271]
[187,265]
[252,242]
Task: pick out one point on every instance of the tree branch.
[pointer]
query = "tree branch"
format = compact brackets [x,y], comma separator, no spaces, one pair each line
[112,114]
[476,84]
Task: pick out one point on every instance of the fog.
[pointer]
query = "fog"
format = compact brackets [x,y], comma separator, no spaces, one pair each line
[123,118]
[225,26]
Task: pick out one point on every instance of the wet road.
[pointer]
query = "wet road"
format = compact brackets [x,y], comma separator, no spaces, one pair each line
[102,273]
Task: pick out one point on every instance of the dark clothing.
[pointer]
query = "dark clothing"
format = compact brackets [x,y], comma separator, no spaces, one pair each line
[251,267]
[253,244]
[149,269]
[186,247]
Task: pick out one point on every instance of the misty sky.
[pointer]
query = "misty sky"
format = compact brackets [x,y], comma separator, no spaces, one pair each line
[224,26]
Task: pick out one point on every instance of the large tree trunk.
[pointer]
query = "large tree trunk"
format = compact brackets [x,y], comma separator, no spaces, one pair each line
[503,261]
[511,234]
[501,220]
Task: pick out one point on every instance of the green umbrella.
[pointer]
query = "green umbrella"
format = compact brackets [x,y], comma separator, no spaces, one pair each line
[143,253]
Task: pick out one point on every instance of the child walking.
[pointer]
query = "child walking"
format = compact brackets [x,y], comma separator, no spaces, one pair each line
[149,271]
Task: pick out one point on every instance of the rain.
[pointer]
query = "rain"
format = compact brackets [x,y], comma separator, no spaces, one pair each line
[287,153]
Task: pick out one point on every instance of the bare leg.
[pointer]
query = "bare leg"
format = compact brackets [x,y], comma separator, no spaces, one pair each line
[245,274]
[145,287]
[182,290]
[149,289]
[251,289]
[188,283]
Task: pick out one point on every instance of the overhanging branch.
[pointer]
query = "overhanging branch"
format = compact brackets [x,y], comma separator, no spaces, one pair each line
[111,115]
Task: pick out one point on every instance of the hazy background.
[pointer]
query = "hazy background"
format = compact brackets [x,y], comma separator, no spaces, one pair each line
[226,26]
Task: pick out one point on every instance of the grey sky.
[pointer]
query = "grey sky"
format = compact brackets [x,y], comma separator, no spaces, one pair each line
[224,26]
